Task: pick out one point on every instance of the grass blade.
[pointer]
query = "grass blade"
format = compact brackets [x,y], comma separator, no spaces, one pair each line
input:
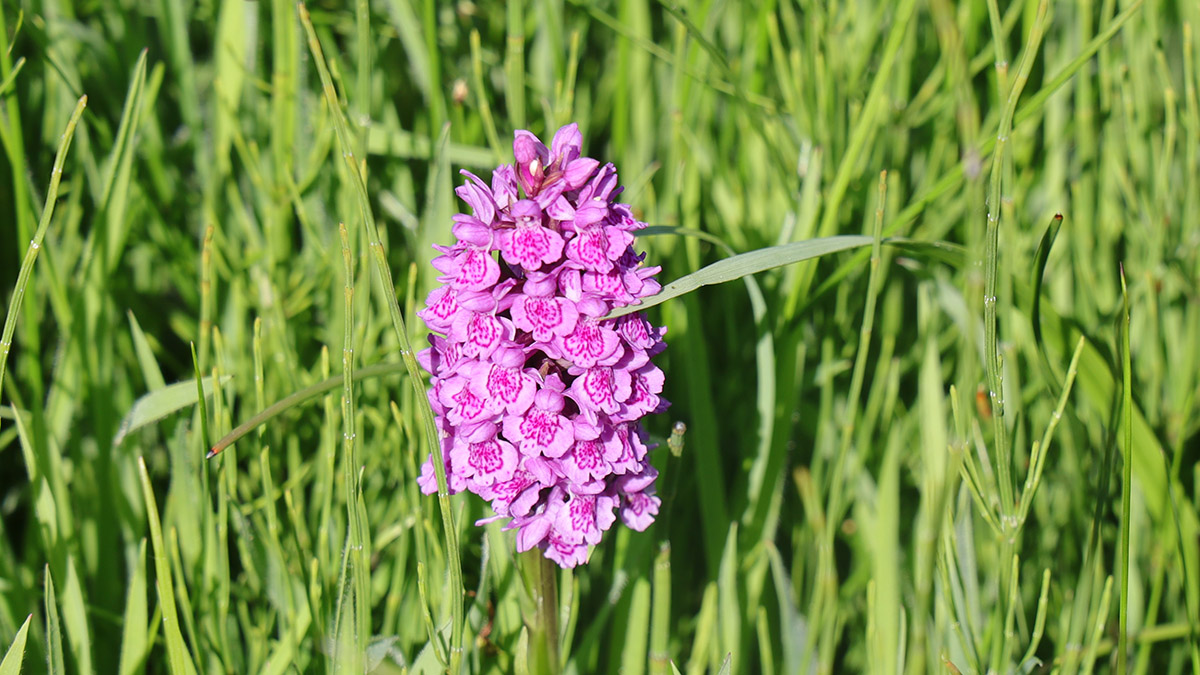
[1035,313]
[54,650]
[31,254]
[1126,480]
[11,665]
[75,620]
[157,404]
[743,264]
[134,644]
[450,531]
[178,661]
[150,369]
[298,399]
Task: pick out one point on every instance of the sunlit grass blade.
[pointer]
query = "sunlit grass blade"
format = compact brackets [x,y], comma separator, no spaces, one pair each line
[11,664]
[634,644]
[35,245]
[7,83]
[178,660]
[743,264]
[660,626]
[54,649]
[160,403]
[1126,480]
[114,199]
[134,631]
[384,275]
[1035,314]
[151,371]
[298,399]
[75,619]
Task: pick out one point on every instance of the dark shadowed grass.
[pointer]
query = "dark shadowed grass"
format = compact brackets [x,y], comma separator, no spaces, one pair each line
[925,431]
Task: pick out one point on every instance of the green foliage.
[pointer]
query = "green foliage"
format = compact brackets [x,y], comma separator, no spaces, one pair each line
[925,430]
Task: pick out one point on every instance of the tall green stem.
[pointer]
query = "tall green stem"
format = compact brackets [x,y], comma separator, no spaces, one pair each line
[541,583]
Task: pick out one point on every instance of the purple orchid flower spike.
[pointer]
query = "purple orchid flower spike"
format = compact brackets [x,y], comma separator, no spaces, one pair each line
[538,397]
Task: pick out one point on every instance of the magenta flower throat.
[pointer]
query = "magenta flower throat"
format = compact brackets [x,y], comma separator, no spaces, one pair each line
[538,398]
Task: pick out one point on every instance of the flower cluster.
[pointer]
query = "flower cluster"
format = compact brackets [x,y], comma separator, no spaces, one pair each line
[538,397]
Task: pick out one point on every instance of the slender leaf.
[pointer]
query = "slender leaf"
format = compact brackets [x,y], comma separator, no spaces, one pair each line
[11,664]
[157,404]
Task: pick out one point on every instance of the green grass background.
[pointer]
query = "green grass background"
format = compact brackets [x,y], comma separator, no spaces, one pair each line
[892,462]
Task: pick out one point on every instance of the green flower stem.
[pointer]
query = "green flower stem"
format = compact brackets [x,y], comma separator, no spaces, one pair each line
[541,584]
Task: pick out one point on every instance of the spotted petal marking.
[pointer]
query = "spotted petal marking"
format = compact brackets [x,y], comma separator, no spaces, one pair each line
[480,332]
[578,523]
[530,245]
[610,286]
[485,463]
[590,249]
[601,389]
[639,510]
[589,343]
[565,553]
[464,407]
[646,384]
[541,432]
[585,462]
[442,305]
[636,330]
[510,497]
[478,270]
[509,389]
[545,317]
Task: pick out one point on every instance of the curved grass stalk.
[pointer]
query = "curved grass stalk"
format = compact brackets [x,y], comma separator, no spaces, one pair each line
[35,245]
[410,361]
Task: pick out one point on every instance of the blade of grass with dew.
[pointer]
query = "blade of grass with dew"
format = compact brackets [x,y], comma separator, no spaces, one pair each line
[992,355]
[352,626]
